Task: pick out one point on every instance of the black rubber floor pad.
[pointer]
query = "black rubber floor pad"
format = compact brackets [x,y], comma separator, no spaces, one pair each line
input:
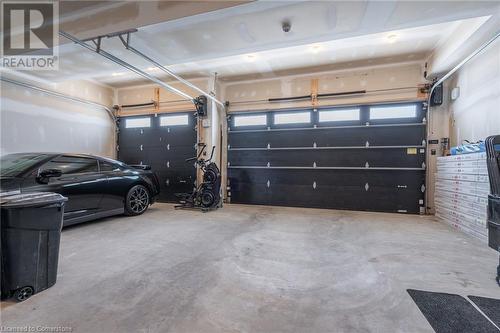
[490,307]
[449,313]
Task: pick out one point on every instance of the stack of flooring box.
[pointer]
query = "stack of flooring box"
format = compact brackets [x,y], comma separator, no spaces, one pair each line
[461,196]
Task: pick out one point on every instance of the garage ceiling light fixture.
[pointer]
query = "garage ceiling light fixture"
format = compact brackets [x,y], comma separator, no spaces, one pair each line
[250,57]
[316,48]
[392,38]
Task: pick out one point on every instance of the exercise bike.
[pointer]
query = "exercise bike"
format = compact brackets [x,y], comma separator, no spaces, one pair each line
[206,196]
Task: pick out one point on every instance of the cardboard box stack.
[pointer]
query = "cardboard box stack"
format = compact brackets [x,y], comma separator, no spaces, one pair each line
[461,193]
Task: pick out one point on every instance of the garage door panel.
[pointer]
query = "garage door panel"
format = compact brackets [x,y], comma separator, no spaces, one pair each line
[165,149]
[177,138]
[390,178]
[335,197]
[375,136]
[174,181]
[388,157]
[343,165]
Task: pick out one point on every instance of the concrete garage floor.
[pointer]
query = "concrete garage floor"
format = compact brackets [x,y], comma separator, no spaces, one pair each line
[255,269]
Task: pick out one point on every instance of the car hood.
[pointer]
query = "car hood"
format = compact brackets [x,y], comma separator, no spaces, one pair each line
[10,184]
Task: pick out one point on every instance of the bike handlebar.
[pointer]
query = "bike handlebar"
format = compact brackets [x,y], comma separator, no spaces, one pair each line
[197,158]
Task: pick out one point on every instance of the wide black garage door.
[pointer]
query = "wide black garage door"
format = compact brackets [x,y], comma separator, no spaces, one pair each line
[164,142]
[359,158]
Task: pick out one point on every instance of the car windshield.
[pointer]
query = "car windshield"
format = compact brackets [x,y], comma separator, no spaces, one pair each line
[13,165]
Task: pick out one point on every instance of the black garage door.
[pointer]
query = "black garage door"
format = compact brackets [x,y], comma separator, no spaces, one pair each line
[164,142]
[359,158]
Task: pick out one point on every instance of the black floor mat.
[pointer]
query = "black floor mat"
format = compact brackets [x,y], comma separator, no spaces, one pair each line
[449,313]
[490,307]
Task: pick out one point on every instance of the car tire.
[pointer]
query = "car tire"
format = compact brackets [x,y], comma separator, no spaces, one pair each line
[137,200]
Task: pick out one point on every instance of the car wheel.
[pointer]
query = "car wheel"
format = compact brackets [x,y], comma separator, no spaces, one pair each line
[23,293]
[137,200]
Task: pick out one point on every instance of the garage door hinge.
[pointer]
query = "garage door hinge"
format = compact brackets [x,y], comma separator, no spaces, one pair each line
[168,146]
[422,188]
[167,182]
[367,144]
[141,148]
[424,121]
[314,185]
[367,187]
[228,163]
[142,131]
[314,164]
[268,164]
[168,164]
[268,146]
[314,145]
[424,143]
[423,165]
[367,165]
[268,184]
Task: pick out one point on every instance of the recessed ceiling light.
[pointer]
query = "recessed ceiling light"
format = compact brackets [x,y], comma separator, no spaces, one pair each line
[153,68]
[117,74]
[250,57]
[316,48]
[392,38]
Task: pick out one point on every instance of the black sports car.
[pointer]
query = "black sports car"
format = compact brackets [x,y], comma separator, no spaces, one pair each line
[96,187]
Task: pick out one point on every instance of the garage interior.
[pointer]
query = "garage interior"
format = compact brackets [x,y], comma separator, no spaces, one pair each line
[329,120]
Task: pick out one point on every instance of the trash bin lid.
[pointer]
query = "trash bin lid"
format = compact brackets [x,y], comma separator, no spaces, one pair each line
[9,200]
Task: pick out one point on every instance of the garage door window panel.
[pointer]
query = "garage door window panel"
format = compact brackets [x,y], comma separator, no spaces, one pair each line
[245,122]
[395,114]
[340,116]
[174,120]
[143,122]
[292,119]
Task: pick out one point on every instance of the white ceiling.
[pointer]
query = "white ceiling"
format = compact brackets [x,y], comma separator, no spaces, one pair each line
[247,40]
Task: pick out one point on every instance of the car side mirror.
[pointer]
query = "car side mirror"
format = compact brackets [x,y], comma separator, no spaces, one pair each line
[44,175]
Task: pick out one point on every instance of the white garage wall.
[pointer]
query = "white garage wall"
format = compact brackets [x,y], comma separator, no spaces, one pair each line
[34,122]
[476,113]
[381,82]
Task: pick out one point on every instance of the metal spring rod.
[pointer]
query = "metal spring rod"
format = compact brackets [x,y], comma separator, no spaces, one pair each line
[127,45]
[122,63]
[60,95]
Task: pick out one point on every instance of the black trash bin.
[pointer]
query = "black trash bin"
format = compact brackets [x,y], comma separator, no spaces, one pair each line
[31,230]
